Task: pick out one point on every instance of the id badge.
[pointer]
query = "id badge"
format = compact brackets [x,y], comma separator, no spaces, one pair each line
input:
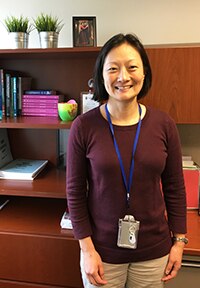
[128,232]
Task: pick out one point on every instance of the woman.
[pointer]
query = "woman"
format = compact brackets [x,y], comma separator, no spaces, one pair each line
[131,232]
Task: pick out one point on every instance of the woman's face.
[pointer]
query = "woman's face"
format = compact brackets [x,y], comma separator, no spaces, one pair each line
[123,73]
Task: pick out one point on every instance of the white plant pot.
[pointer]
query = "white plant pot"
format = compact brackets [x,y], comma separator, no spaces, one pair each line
[19,40]
[48,39]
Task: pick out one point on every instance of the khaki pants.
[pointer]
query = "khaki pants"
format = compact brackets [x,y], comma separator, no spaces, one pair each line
[145,274]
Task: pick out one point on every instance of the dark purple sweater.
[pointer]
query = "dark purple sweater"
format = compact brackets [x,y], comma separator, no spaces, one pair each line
[96,193]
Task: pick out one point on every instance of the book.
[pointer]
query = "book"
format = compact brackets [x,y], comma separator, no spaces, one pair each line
[40,106]
[2,93]
[53,110]
[39,103]
[22,169]
[24,83]
[39,111]
[8,94]
[14,96]
[6,101]
[36,97]
[41,92]
[18,169]
[42,114]
[65,222]
[187,162]
[31,113]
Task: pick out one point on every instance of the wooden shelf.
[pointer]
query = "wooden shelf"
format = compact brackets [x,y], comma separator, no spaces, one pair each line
[50,53]
[66,70]
[50,183]
[32,215]
[34,122]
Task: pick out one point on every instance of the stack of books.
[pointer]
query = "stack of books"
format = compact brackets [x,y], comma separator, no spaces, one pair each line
[41,103]
[12,85]
[188,162]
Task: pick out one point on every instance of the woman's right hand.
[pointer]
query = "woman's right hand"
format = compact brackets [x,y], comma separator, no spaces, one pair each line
[92,263]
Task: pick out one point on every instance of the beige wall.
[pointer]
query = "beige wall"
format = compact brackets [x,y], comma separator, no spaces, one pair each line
[154,21]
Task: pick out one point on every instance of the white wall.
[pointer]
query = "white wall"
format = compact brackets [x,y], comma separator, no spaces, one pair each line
[154,21]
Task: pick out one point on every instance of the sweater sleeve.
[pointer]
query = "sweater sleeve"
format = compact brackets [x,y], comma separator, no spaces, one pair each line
[76,181]
[173,181]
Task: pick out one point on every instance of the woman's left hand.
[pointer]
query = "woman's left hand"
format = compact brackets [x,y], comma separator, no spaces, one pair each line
[174,261]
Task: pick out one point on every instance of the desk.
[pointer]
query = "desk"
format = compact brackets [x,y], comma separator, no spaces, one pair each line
[193,233]
[189,275]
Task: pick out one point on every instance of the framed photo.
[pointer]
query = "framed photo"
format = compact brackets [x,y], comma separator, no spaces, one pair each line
[87,103]
[84,31]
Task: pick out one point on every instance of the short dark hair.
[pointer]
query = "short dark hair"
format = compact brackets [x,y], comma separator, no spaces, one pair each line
[100,93]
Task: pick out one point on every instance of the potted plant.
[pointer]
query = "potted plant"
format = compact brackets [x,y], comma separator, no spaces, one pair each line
[48,27]
[18,29]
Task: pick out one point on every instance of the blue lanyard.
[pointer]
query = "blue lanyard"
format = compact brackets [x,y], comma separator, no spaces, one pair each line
[128,183]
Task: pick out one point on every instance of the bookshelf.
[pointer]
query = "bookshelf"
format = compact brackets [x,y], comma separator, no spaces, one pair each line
[30,223]
[30,232]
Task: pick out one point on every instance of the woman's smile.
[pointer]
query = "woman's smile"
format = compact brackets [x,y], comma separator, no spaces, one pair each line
[123,88]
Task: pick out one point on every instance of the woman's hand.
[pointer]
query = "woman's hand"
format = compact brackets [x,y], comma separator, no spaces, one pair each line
[174,261]
[92,263]
[94,268]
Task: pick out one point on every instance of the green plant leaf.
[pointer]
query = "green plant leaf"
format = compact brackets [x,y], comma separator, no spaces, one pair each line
[18,24]
[46,22]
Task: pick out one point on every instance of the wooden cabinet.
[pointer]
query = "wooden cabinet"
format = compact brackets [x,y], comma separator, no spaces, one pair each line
[34,251]
[176,84]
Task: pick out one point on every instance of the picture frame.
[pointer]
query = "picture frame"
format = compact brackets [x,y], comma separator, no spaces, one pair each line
[86,102]
[84,31]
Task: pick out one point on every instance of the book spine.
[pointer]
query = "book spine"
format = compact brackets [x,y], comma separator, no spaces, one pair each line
[14,95]
[39,101]
[40,110]
[40,92]
[24,83]
[39,105]
[38,97]
[8,94]
[2,94]
[51,114]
